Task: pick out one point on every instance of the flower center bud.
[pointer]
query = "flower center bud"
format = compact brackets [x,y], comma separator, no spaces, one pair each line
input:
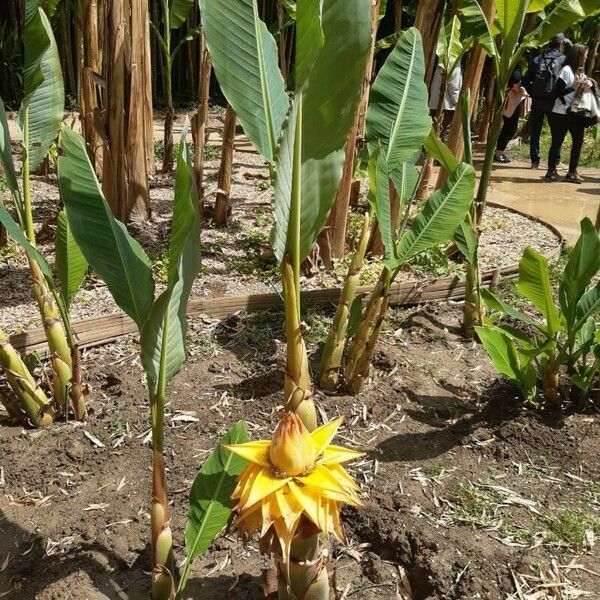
[292,451]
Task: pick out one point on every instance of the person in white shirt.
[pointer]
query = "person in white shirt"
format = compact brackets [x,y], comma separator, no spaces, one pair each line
[570,79]
[451,96]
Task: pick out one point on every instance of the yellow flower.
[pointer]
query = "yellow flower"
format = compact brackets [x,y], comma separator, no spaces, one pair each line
[294,483]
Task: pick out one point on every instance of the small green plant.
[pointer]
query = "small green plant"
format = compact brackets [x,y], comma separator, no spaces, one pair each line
[572,528]
[212,152]
[562,345]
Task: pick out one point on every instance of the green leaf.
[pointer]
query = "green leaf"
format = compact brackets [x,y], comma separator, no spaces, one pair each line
[384,210]
[496,304]
[501,350]
[107,246]
[50,6]
[588,305]
[163,334]
[355,316]
[6,159]
[538,5]
[562,16]
[476,25]
[309,39]
[398,115]
[70,262]
[440,216]
[311,153]
[178,12]
[534,284]
[449,47]
[508,12]
[467,241]
[406,179]
[210,498]
[43,105]
[582,266]
[244,56]
[438,150]
[17,235]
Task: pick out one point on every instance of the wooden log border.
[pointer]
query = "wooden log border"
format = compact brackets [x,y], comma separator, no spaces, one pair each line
[106,329]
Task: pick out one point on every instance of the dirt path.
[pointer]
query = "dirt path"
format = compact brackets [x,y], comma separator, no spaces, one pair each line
[561,204]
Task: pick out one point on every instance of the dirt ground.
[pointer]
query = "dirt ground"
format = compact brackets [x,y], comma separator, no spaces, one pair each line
[467,494]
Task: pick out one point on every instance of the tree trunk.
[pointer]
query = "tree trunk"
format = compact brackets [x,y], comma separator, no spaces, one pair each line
[598,220]
[593,53]
[88,101]
[332,241]
[148,104]
[200,122]
[397,15]
[428,20]
[471,82]
[488,109]
[125,165]
[282,41]
[225,171]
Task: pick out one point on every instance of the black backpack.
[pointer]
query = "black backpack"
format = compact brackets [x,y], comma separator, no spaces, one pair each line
[542,86]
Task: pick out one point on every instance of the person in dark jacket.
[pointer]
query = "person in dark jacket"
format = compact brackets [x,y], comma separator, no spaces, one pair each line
[539,81]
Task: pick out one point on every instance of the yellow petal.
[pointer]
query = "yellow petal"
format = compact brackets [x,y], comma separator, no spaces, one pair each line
[338,529]
[244,485]
[268,516]
[289,508]
[255,452]
[343,477]
[322,477]
[249,520]
[337,454]
[285,536]
[323,435]
[309,500]
[265,483]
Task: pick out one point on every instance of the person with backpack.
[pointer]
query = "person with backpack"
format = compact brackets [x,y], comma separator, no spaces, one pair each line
[539,81]
[572,83]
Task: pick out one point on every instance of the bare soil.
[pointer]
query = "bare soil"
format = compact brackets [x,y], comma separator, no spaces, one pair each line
[467,493]
[463,486]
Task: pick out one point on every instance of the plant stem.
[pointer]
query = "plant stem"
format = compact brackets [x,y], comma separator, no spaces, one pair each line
[163,583]
[363,345]
[486,170]
[168,77]
[333,351]
[31,396]
[60,349]
[297,385]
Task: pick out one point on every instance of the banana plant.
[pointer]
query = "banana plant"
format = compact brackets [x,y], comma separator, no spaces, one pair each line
[504,43]
[397,125]
[466,236]
[174,15]
[565,340]
[125,268]
[40,116]
[303,139]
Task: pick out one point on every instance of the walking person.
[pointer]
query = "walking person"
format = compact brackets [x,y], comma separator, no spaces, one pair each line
[516,105]
[448,104]
[571,82]
[540,80]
